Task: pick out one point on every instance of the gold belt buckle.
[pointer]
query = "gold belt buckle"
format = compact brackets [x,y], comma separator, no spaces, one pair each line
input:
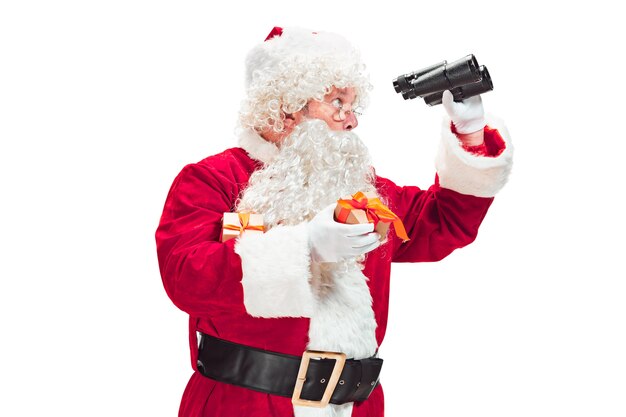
[340,361]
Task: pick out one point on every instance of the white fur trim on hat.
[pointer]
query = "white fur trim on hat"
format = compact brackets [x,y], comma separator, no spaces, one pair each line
[276,272]
[461,171]
[299,44]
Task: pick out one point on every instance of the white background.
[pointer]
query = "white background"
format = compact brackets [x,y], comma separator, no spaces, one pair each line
[102,103]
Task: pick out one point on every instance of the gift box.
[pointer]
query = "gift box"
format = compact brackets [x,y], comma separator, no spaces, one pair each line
[367,208]
[234,224]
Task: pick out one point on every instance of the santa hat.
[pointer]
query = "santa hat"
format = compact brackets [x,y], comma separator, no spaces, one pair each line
[294,65]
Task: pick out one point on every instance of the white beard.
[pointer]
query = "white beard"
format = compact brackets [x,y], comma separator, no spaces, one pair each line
[314,167]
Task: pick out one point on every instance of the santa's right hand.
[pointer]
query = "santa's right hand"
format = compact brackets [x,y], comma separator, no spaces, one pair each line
[331,241]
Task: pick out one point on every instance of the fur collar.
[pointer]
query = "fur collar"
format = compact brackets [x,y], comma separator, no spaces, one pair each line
[257,147]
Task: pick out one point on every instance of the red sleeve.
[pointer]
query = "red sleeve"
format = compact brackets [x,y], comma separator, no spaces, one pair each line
[200,274]
[437,220]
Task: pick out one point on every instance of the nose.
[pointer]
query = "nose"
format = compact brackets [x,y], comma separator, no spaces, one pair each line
[351,122]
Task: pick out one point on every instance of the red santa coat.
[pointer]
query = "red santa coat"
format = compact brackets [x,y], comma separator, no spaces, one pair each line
[225,298]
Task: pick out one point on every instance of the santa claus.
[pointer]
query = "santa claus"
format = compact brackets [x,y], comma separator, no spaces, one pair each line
[310,294]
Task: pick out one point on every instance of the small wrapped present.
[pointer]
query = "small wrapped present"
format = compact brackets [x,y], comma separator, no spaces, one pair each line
[367,208]
[234,224]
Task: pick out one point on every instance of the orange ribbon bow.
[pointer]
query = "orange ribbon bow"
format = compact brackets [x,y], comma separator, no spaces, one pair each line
[375,210]
[244,219]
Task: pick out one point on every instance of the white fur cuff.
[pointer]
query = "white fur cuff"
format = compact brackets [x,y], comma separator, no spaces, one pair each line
[461,171]
[276,272]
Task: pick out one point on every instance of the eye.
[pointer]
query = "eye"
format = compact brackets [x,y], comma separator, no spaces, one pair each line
[358,110]
[337,103]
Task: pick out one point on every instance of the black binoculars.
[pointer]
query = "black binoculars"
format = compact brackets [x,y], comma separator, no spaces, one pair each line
[464,78]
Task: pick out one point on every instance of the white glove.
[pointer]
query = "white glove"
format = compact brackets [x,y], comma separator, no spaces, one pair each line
[331,241]
[468,115]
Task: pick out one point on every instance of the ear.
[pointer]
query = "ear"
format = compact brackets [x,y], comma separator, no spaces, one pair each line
[293,119]
[289,122]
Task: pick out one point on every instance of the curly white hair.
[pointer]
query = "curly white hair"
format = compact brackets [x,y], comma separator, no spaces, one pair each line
[285,72]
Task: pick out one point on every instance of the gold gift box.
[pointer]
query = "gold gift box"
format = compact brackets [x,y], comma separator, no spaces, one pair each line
[359,216]
[234,224]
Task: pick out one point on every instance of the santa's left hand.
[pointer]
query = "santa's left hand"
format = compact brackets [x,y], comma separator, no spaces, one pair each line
[468,115]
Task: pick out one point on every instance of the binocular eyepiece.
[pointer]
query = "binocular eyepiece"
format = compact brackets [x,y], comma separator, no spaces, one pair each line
[464,78]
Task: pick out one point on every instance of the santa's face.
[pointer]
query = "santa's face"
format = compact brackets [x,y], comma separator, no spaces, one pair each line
[336,109]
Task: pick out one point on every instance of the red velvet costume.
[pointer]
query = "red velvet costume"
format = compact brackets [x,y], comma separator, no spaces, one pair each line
[203,276]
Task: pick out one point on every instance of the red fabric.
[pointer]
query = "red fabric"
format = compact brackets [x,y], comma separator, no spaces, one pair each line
[202,275]
[277,31]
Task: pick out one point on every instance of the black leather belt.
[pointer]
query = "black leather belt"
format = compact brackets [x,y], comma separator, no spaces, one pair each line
[277,373]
